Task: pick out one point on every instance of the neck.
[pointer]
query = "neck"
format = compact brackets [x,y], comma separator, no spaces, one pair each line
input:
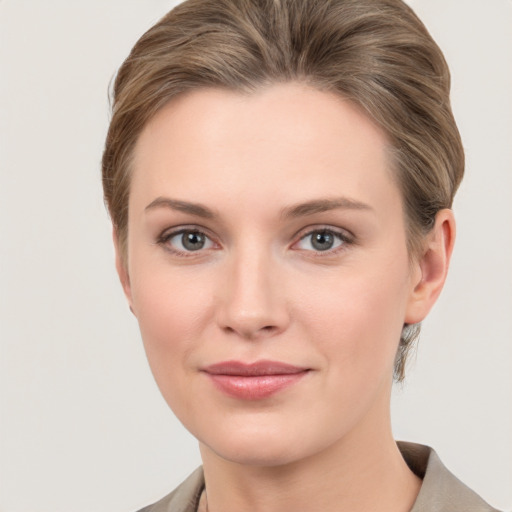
[361,472]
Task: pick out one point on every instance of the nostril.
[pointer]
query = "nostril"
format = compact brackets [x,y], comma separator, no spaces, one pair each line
[251,333]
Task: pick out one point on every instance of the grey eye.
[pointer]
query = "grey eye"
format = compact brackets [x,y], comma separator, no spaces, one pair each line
[193,241]
[321,240]
[189,241]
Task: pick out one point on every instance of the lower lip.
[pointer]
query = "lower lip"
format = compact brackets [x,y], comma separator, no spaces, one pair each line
[255,387]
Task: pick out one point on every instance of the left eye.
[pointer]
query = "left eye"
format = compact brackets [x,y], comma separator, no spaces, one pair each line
[189,241]
[321,240]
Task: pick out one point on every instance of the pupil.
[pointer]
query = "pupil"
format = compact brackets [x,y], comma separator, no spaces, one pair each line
[322,241]
[193,241]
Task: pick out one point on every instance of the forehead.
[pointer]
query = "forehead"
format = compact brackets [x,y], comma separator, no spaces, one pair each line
[282,140]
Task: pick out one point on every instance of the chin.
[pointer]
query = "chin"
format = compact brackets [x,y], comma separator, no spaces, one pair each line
[257,454]
[267,446]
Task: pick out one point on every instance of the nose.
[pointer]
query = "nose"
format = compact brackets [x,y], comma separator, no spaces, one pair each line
[252,301]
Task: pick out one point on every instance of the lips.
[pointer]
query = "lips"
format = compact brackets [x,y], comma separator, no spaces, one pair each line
[254,381]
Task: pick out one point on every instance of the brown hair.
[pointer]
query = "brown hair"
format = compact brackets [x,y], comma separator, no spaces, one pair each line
[376,53]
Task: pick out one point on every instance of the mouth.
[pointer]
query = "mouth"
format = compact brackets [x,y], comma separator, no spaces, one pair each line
[254,381]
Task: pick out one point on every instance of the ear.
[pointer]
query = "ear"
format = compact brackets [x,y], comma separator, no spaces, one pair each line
[122,270]
[431,268]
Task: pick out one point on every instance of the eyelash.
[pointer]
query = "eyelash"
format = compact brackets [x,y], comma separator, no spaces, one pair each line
[344,239]
[164,238]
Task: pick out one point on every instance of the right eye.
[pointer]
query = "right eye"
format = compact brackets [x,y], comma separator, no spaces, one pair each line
[186,241]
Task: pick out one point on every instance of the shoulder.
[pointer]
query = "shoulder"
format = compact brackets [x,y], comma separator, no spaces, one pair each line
[184,498]
[440,491]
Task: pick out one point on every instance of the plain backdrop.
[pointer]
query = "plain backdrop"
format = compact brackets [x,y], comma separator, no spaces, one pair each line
[83,427]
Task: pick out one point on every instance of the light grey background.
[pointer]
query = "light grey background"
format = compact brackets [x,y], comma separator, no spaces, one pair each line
[82,426]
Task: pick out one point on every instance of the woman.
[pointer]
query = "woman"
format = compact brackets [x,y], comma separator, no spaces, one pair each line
[280,176]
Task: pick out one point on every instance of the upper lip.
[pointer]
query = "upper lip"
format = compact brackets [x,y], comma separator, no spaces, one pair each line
[257,368]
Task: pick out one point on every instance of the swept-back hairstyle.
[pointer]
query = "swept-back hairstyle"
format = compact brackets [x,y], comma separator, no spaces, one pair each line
[376,53]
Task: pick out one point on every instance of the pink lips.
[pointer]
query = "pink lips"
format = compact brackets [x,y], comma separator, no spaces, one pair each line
[254,381]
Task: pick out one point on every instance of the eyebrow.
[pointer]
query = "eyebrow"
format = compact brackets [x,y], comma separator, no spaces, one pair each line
[293,211]
[323,205]
[196,209]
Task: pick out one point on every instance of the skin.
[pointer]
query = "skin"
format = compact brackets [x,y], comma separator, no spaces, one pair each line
[259,289]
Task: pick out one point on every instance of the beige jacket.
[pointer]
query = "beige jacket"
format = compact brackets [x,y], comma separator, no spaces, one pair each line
[440,490]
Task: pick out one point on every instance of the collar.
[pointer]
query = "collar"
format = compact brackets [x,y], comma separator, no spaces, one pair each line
[440,491]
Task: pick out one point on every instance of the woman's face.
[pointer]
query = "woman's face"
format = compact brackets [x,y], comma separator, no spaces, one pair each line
[267,228]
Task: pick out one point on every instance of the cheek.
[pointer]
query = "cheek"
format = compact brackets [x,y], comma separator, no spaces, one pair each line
[171,308]
[357,319]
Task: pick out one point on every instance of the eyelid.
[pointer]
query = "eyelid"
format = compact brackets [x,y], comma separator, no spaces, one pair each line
[346,236]
[168,233]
